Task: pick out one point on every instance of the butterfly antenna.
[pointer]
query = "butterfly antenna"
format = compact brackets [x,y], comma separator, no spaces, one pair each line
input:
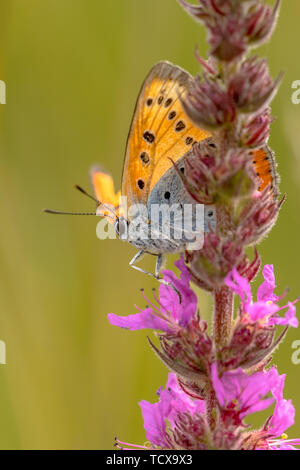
[50,211]
[99,203]
[83,191]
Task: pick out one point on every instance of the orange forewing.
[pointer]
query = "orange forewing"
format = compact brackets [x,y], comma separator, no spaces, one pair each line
[160,131]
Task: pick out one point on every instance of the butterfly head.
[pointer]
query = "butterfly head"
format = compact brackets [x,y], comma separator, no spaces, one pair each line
[121,227]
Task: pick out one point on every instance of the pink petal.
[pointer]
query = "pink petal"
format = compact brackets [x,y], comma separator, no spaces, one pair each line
[260,310]
[139,321]
[283,417]
[239,285]
[154,423]
[289,318]
[266,289]
[184,308]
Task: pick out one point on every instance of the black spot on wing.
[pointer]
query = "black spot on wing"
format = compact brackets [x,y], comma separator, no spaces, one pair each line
[149,137]
[179,126]
[168,102]
[189,140]
[172,115]
[141,183]
[145,158]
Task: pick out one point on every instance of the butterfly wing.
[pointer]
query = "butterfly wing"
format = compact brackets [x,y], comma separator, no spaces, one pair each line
[160,134]
[266,169]
[104,189]
[160,131]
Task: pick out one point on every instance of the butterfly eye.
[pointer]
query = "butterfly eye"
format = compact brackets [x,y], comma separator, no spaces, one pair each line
[121,227]
[167,195]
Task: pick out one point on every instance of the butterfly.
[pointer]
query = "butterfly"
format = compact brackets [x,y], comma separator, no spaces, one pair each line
[160,139]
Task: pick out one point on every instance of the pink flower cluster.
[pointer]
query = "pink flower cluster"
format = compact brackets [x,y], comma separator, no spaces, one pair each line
[219,379]
[179,420]
[234,26]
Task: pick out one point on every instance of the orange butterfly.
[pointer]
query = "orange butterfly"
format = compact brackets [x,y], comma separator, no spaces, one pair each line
[160,136]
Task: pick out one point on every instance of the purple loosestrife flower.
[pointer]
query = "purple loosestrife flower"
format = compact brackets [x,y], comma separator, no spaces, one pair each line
[252,338]
[172,313]
[240,394]
[222,378]
[272,436]
[162,420]
[284,413]
[265,309]
[186,347]
[176,421]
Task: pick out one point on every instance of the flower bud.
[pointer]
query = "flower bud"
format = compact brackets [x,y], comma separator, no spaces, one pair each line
[260,22]
[259,216]
[210,266]
[252,87]
[256,131]
[208,104]
[211,177]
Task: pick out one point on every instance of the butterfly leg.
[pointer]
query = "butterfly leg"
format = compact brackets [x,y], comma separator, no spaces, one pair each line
[136,257]
[159,264]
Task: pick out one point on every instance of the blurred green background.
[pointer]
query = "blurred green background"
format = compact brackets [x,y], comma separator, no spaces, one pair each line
[73,69]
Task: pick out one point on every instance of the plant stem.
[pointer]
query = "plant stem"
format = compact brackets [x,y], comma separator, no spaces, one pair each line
[223,312]
[211,403]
